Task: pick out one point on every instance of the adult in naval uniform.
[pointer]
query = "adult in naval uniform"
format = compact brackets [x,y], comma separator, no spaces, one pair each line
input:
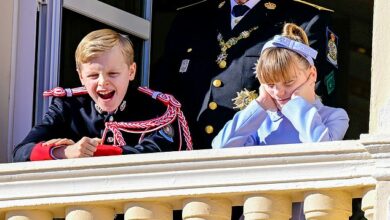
[211,50]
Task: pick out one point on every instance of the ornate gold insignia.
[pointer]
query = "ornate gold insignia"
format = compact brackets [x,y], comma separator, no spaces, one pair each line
[270,5]
[331,50]
[224,46]
[244,97]
[221,4]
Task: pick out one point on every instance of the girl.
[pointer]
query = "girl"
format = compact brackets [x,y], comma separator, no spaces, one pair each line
[287,109]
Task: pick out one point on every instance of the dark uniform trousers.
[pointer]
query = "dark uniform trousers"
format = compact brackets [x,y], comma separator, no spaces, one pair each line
[190,72]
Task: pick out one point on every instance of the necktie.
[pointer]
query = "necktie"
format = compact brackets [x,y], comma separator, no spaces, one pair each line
[239,10]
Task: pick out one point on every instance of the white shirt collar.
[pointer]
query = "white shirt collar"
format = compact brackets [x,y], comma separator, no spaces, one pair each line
[250,3]
[234,20]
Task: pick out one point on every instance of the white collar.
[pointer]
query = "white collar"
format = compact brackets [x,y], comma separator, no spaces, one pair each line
[250,3]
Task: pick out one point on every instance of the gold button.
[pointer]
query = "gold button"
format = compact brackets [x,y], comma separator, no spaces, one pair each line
[209,129]
[222,64]
[217,83]
[213,105]
[189,50]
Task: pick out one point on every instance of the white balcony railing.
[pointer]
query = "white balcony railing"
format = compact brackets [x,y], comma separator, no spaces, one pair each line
[205,183]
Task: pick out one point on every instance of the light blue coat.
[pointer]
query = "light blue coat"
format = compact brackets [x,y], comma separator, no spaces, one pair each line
[297,122]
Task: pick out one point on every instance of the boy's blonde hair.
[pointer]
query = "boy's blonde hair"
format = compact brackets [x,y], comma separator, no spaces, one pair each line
[275,64]
[100,41]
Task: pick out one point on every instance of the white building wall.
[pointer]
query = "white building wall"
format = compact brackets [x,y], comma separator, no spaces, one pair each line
[6,19]
[17,61]
[380,77]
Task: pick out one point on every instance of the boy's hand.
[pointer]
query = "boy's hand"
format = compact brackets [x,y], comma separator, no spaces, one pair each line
[265,100]
[306,90]
[85,147]
[58,142]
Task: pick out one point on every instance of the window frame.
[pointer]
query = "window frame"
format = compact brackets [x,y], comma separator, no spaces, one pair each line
[39,50]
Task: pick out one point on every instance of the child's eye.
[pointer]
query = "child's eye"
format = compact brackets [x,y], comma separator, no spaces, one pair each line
[289,83]
[113,74]
[270,85]
[93,76]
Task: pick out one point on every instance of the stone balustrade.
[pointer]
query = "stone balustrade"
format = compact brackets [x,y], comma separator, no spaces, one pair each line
[205,184]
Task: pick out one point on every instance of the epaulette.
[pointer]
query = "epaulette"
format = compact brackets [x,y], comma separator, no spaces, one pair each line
[314,5]
[67,92]
[190,5]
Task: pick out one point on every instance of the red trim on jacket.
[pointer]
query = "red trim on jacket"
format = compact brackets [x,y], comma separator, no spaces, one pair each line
[40,152]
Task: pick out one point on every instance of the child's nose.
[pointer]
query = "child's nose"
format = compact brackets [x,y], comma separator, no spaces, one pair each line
[102,80]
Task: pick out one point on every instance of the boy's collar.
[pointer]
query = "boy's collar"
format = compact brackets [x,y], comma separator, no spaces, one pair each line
[121,108]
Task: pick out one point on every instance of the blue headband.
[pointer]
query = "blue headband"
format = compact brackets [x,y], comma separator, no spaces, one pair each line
[283,42]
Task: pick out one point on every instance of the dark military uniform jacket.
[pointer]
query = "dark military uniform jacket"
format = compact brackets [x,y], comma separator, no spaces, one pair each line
[76,117]
[211,93]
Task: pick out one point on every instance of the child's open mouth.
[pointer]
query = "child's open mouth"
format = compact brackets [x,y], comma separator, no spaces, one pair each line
[106,94]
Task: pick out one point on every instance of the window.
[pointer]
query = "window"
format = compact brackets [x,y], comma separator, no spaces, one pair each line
[63,24]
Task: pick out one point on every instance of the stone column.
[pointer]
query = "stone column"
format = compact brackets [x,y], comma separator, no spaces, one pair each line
[89,212]
[382,203]
[380,77]
[368,203]
[207,209]
[29,215]
[148,211]
[270,207]
[325,205]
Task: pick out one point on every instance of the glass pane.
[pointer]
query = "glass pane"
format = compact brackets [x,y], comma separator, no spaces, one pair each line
[74,28]
[134,6]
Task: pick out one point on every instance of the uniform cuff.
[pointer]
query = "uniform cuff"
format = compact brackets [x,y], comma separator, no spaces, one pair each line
[52,152]
[40,152]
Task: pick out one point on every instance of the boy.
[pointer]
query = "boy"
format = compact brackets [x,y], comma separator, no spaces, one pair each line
[72,126]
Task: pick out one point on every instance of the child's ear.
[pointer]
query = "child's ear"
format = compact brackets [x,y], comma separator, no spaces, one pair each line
[313,72]
[132,70]
[80,76]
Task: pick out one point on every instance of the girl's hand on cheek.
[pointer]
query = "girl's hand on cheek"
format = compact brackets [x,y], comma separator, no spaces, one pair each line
[306,90]
[265,100]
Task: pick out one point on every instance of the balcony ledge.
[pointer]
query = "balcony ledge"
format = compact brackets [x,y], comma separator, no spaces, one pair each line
[348,165]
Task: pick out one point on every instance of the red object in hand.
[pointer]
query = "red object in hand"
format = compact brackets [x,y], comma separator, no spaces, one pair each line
[107,150]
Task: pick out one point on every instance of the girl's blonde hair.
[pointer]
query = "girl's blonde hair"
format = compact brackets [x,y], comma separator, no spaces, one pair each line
[100,41]
[275,64]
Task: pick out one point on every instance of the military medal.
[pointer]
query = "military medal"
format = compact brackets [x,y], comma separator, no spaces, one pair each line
[243,99]
[224,46]
[331,49]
